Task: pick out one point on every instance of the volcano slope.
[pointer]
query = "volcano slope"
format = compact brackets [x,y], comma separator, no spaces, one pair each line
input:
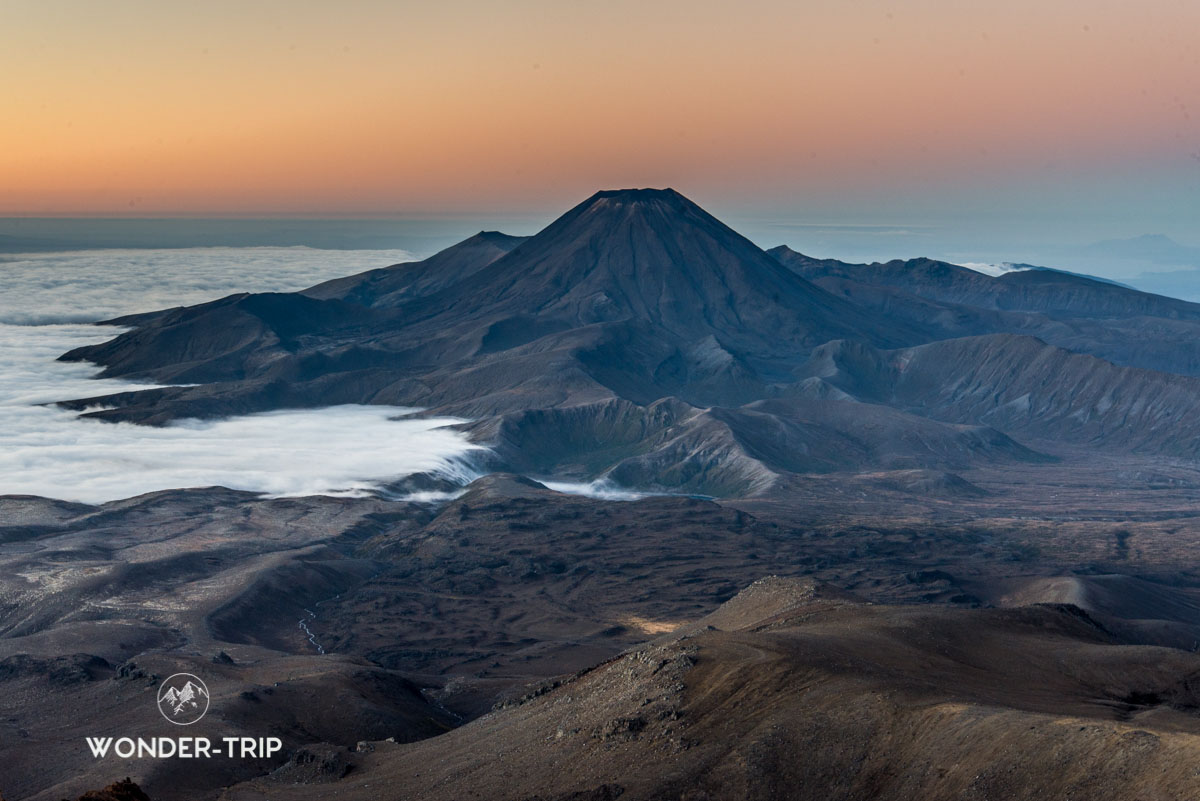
[793,690]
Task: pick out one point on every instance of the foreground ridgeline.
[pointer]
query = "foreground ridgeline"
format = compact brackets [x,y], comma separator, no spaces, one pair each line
[311,625]
[794,690]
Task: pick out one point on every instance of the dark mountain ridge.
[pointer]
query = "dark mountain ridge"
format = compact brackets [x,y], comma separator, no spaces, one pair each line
[1031,290]
[639,339]
[1076,312]
[645,258]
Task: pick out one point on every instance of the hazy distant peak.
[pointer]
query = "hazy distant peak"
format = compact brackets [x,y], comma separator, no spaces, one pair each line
[1158,248]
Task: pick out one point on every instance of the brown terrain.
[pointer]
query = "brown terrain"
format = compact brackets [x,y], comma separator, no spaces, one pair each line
[430,616]
[908,532]
[791,690]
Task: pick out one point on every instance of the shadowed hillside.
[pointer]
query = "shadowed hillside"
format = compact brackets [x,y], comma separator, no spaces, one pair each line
[793,690]
[1076,312]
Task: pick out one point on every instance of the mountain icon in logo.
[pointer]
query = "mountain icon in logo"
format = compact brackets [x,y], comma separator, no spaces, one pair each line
[183,699]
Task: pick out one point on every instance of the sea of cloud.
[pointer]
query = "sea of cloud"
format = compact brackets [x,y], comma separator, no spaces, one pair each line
[45,450]
[90,285]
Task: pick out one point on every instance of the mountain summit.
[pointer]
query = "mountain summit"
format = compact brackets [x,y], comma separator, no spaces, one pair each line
[653,257]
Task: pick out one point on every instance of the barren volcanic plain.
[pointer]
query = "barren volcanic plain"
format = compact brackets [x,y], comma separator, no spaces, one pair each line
[834,531]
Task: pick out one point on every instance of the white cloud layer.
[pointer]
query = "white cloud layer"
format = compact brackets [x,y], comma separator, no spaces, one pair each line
[337,450]
[45,450]
[89,285]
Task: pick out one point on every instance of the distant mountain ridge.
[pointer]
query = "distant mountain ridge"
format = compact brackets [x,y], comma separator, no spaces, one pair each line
[1031,290]
[639,339]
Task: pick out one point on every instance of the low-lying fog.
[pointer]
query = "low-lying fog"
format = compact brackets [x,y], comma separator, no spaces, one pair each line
[45,450]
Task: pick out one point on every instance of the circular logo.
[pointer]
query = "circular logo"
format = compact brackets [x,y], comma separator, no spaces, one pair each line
[183,699]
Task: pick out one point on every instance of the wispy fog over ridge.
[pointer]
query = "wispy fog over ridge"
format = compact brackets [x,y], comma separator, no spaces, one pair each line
[994,270]
[45,450]
[601,488]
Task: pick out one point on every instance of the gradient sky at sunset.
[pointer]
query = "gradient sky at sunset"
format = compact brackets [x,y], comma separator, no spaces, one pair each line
[855,111]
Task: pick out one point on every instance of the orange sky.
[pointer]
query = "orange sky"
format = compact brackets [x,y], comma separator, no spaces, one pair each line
[381,108]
